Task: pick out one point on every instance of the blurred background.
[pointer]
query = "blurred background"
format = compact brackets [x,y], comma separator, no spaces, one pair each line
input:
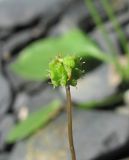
[32,112]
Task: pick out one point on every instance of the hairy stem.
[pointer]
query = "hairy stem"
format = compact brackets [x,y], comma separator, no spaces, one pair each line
[70,130]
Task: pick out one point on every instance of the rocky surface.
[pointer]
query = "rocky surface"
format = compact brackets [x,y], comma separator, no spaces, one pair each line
[4,156]
[19,13]
[5,95]
[98,37]
[96,134]
[20,83]
[6,124]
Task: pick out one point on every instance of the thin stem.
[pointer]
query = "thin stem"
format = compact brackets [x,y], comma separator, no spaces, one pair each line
[70,130]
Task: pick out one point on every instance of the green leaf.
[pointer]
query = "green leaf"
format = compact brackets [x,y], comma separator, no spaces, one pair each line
[33,61]
[33,122]
[113,99]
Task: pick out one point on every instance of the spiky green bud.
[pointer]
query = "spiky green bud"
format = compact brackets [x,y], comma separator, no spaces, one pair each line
[65,71]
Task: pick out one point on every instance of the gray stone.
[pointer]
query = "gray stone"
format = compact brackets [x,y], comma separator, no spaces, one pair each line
[19,82]
[26,103]
[71,18]
[4,156]
[19,13]
[43,97]
[5,95]
[96,134]
[95,85]
[98,37]
[6,124]
[19,40]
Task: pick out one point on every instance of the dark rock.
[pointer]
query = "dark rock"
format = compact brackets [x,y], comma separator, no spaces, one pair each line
[96,134]
[95,85]
[5,95]
[6,124]
[4,33]
[26,103]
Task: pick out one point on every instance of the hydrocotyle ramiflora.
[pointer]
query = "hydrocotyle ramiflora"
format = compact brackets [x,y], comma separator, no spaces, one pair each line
[65,71]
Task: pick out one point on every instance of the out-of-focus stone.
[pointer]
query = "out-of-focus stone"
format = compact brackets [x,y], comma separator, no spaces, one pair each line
[6,124]
[19,82]
[5,95]
[96,134]
[71,18]
[4,156]
[19,13]
[98,37]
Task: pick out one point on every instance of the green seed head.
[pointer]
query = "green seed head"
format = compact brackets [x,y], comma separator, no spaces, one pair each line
[65,71]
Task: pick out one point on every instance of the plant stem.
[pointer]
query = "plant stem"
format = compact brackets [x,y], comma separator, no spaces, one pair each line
[69,120]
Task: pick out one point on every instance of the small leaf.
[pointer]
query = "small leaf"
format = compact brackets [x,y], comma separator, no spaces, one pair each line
[33,122]
[33,61]
[113,99]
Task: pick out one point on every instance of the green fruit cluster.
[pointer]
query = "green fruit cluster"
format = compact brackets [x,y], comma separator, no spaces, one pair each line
[65,71]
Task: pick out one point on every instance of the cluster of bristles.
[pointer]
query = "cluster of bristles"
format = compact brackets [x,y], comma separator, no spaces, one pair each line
[65,71]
